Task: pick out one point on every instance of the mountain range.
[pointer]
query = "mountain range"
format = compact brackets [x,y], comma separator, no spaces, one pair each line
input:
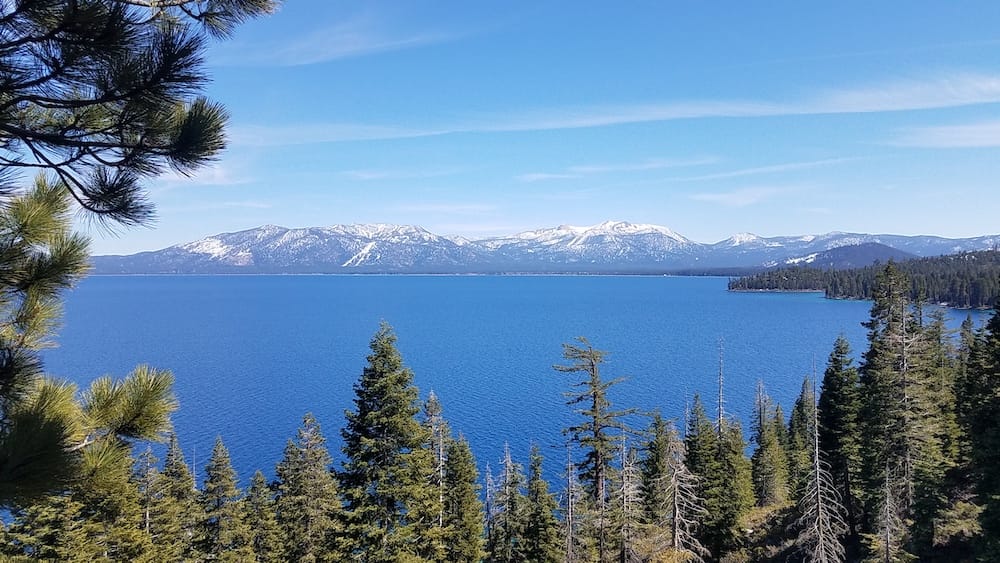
[609,247]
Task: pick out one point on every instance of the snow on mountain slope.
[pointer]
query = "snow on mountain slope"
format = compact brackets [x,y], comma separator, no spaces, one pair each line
[606,247]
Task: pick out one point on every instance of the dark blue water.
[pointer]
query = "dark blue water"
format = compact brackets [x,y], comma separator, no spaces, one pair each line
[251,355]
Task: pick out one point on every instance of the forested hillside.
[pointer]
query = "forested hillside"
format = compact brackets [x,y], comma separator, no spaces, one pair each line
[894,459]
[969,279]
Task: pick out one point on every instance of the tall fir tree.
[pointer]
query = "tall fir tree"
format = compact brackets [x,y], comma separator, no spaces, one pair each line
[463,511]
[839,411]
[902,428]
[703,446]
[982,424]
[769,464]
[266,541]
[542,543]
[222,532]
[174,509]
[799,449]
[308,507]
[505,542]
[599,432]
[388,468]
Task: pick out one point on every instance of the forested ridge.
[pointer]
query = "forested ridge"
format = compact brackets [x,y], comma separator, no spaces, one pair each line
[891,459]
[965,280]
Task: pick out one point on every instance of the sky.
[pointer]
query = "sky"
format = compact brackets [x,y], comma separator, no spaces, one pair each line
[489,118]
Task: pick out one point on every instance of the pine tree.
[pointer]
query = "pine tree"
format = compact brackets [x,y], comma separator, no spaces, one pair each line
[902,426]
[40,419]
[388,466]
[308,506]
[509,511]
[799,448]
[597,433]
[463,511]
[982,423]
[655,477]
[110,505]
[259,515]
[50,529]
[839,409]
[173,506]
[769,464]
[541,540]
[222,533]
[703,446]
[736,485]
[105,93]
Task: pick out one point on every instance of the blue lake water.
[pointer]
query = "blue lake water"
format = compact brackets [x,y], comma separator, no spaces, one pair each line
[252,354]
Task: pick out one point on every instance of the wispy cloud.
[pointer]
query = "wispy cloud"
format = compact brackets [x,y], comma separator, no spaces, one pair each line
[772,169]
[217,174]
[580,171]
[649,164]
[248,204]
[982,134]
[542,176]
[306,134]
[744,196]
[942,91]
[356,37]
[446,208]
[955,90]
[374,175]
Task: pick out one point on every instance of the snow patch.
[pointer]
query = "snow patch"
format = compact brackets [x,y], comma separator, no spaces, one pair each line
[360,257]
[808,259]
[210,246]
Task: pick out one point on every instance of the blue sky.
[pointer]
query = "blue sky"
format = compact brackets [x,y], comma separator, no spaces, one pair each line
[486,118]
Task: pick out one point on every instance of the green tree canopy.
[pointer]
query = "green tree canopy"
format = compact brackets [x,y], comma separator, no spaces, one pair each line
[104,93]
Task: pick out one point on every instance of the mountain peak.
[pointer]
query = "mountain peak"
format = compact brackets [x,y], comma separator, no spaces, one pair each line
[609,246]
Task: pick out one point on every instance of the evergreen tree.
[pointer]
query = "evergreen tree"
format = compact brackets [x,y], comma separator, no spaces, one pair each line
[105,93]
[308,506]
[259,515]
[704,446]
[40,420]
[983,428]
[769,465]
[735,483]
[839,409]
[50,529]
[463,520]
[110,506]
[902,430]
[388,466]
[799,448]
[509,511]
[542,543]
[597,433]
[173,507]
[222,533]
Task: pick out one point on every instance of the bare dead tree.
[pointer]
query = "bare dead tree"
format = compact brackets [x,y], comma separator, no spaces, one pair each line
[821,524]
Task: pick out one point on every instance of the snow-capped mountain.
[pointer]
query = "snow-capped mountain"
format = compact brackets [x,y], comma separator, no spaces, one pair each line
[612,243]
[612,246]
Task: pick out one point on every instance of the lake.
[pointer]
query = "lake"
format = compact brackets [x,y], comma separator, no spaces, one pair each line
[252,354]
